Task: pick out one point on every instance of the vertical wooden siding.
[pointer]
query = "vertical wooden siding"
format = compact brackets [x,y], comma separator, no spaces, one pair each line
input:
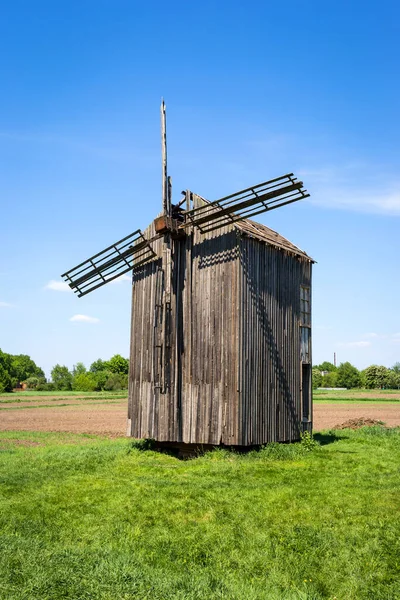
[210,361]
[201,404]
[270,374]
[234,358]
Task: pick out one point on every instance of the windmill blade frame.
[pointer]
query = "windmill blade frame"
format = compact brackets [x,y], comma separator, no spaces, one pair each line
[121,257]
[246,203]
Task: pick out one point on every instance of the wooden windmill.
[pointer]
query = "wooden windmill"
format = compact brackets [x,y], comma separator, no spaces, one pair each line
[221,318]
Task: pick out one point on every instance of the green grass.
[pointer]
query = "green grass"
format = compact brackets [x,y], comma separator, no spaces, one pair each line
[352,396]
[63,405]
[335,400]
[64,393]
[82,517]
[25,397]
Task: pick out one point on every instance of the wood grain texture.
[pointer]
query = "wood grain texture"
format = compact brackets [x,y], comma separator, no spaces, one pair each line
[232,356]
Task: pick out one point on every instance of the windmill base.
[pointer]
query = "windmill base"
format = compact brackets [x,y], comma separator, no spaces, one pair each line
[186,451]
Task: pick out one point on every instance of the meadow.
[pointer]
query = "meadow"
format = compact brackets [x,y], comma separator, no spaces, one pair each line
[320,395]
[356,395]
[86,517]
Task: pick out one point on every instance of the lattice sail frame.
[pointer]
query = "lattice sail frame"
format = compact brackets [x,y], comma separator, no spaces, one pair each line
[246,203]
[134,250]
[109,264]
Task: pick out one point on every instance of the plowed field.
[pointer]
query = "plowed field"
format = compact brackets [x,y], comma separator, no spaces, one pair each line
[108,417]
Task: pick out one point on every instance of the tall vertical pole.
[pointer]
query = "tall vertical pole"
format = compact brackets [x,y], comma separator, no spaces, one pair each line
[167,258]
[165,191]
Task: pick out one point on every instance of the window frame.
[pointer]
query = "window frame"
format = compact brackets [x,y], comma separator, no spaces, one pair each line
[305,306]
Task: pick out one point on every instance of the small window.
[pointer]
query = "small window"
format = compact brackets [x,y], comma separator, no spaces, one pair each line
[305,306]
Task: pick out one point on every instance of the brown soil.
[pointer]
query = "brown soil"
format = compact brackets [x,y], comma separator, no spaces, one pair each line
[105,419]
[358,423]
[327,416]
[110,419]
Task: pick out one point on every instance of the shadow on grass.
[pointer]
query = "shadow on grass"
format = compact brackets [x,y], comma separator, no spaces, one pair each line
[327,438]
[273,450]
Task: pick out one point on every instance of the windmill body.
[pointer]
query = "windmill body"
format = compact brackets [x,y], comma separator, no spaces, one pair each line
[220,347]
[232,365]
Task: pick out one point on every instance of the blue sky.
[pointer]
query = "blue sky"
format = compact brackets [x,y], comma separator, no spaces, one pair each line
[253,90]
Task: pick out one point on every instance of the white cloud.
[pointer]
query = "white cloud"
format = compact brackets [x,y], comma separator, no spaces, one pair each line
[361,344]
[5,305]
[383,203]
[337,187]
[58,286]
[84,319]
[395,337]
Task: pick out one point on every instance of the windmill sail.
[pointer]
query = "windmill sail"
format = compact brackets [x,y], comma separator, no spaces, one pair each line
[246,203]
[112,262]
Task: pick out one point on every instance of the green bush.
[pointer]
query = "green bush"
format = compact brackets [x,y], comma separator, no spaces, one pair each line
[316,378]
[46,387]
[308,443]
[61,377]
[348,376]
[84,382]
[32,383]
[116,382]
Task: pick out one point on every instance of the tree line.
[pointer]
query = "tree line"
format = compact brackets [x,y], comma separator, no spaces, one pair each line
[113,375]
[346,375]
[102,375]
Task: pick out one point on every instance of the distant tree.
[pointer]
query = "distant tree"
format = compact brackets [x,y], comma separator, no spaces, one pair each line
[78,369]
[375,377]
[396,367]
[329,380]
[84,382]
[5,361]
[61,377]
[5,380]
[348,376]
[5,377]
[393,379]
[326,366]
[316,378]
[116,382]
[118,364]
[101,379]
[22,367]
[98,365]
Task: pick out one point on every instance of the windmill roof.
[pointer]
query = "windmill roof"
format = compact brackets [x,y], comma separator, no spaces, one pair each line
[269,236]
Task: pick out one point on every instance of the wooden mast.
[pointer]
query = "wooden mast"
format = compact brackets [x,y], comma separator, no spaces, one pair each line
[166,199]
[167,258]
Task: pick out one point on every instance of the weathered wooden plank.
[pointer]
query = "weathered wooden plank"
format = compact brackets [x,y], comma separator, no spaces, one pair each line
[236,370]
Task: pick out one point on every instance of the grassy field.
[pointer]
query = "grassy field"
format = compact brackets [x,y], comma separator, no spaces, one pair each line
[40,397]
[349,396]
[318,395]
[83,517]
[25,395]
